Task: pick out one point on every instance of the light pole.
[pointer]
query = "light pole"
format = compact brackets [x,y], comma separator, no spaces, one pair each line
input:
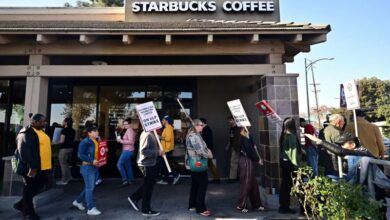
[307,65]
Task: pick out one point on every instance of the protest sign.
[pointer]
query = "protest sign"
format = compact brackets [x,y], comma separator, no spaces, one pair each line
[238,113]
[266,109]
[102,154]
[56,135]
[351,95]
[148,116]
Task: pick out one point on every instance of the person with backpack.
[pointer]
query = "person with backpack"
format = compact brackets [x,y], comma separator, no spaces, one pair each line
[34,148]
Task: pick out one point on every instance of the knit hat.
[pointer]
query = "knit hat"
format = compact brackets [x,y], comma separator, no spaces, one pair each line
[168,119]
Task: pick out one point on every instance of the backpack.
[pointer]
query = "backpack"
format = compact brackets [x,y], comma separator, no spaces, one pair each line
[18,165]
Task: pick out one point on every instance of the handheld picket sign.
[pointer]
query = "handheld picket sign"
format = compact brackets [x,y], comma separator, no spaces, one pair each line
[150,122]
[185,112]
[266,109]
[240,117]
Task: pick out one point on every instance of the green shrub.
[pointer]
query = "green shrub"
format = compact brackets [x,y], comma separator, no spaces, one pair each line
[323,198]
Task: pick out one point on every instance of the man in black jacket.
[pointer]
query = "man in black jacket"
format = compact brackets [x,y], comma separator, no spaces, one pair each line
[35,151]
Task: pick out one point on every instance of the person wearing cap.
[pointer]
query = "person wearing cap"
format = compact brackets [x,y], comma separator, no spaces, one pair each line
[88,154]
[345,145]
[369,134]
[34,146]
[168,144]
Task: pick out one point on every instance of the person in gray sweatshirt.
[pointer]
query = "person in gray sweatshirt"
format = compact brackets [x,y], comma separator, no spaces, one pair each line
[146,159]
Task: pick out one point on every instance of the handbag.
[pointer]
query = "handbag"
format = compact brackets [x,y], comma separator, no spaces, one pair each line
[18,165]
[198,165]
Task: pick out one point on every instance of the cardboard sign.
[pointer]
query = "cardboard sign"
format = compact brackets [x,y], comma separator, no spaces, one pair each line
[351,95]
[102,154]
[238,113]
[148,116]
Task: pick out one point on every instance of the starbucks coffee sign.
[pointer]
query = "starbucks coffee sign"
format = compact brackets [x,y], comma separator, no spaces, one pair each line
[201,6]
[181,10]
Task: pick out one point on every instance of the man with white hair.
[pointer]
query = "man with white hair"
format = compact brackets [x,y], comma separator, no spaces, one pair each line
[332,133]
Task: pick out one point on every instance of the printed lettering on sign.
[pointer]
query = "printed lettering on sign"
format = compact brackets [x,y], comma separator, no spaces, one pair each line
[148,116]
[102,155]
[238,113]
[351,95]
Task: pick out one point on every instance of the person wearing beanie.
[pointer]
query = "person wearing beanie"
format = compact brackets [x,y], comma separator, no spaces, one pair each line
[168,144]
[345,145]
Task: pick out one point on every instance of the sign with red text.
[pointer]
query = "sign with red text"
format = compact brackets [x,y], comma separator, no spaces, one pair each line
[148,116]
[238,113]
[351,95]
[102,154]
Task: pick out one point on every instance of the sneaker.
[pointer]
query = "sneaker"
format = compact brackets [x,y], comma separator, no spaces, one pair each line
[175,179]
[150,213]
[61,183]
[162,182]
[206,213]
[192,209]
[134,204]
[78,205]
[94,211]
[98,182]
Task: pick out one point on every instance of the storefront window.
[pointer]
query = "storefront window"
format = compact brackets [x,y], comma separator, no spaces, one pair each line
[12,94]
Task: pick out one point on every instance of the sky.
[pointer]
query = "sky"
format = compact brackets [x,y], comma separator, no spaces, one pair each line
[357,42]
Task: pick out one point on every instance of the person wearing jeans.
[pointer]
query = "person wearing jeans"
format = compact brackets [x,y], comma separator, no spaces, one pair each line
[88,153]
[311,150]
[124,162]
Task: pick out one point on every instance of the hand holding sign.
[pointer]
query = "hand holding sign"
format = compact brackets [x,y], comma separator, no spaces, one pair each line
[313,138]
[268,111]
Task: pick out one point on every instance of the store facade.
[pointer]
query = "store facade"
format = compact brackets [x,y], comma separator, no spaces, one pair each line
[95,65]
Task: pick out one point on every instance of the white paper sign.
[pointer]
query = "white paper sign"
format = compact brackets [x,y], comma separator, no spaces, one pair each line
[238,113]
[351,95]
[56,135]
[177,124]
[148,116]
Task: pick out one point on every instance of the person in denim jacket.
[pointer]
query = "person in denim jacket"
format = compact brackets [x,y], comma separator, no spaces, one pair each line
[88,153]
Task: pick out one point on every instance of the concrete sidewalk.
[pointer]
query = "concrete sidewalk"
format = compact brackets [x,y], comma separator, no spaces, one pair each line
[170,200]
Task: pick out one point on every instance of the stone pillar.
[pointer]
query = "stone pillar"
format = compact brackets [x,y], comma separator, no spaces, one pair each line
[36,88]
[280,91]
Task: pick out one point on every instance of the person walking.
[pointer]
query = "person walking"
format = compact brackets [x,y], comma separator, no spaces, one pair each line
[34,146]
[249,188]
[88,153]
[207,135]
[124,161]
[197,156]
[289,160]
[65,153]
[168,144]
[234,146]
[147,162]
[310,149]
